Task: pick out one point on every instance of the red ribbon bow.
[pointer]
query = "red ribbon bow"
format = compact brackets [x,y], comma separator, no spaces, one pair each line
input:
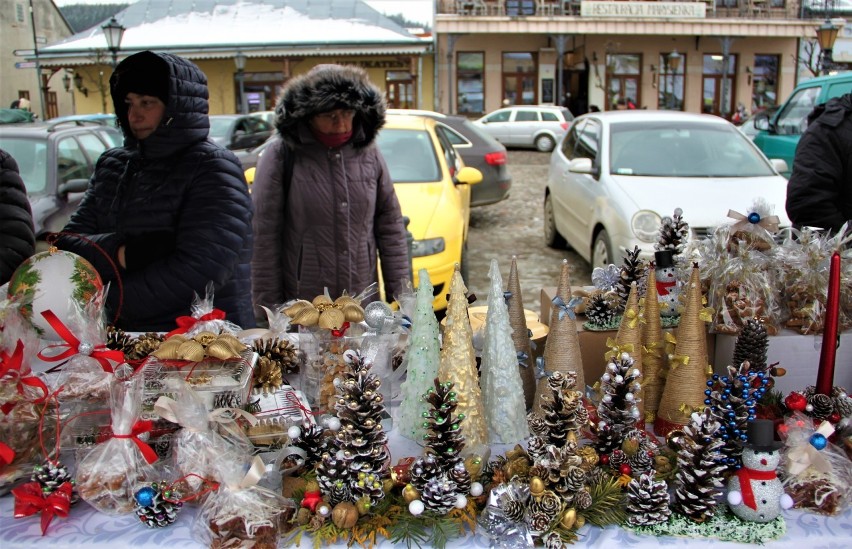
[12,365]
[342,331]
[7,455]
[746,475]
[141,426]
[185,323]
[99,353]
[30,500]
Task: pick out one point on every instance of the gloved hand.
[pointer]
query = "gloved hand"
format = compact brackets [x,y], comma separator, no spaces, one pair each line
[144,249]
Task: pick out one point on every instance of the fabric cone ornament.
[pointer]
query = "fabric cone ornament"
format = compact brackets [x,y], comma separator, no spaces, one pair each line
[562,349]
[629,340]
[653,350]
[458,365]
[521,334]
[688,365]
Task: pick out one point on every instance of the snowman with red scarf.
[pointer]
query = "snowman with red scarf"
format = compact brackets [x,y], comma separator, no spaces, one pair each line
[755,493]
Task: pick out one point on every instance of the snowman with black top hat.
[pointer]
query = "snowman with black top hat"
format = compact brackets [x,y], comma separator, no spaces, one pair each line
[755,492]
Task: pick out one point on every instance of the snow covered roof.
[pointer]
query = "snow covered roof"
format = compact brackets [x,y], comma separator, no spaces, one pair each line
[216,28]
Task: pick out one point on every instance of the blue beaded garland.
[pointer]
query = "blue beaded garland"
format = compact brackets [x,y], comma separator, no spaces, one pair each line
[707,401]
[708,392]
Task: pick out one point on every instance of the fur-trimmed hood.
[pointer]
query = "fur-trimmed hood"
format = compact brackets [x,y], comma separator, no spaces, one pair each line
[325,88]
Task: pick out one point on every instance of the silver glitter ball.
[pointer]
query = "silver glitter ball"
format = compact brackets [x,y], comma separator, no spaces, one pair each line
[379,316]
[85,348]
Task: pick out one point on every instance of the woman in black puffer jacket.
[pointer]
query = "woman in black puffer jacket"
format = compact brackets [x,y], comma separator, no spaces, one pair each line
[16,219]
[170,208]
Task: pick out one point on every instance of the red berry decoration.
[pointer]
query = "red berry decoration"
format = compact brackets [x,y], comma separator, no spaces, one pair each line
[605,459]
[834,417]
[625,469]
[796,402]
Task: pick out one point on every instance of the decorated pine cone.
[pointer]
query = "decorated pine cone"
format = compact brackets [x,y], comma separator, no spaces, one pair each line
[599,312]
[422,470]
[589,456]
[536,424]
[843,405]
[313,441]
[538,523]
[51,475]
[552,540]
[118,340]
[461,478]
[154,508]
[617,458]
[641,462]
[583,499]
[647,502]
[599,475]
[513,509]
[280,352]
[535,447]
[439,494]
[575,479]
[549,503]
[142,346]
[823,405]
[539,471]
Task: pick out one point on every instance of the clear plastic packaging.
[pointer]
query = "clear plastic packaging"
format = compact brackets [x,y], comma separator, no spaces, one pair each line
[204,318]
[109,475]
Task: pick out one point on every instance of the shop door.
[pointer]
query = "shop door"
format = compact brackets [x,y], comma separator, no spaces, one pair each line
[400,90]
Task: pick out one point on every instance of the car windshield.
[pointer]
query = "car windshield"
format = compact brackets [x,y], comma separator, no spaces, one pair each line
[31,156]
[683,149]
[410,155]
[219,127]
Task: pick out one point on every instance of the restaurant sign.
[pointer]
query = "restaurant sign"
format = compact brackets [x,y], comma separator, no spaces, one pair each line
[656,10]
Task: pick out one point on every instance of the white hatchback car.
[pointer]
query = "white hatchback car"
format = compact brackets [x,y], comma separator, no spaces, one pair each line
[537,126]
[616,174]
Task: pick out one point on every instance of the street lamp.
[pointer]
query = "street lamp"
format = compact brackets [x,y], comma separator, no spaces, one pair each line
[240,61]
[674,64]
[113,32]
[826,35]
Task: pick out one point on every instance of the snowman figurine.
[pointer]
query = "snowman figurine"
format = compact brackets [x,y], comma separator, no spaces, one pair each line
[667,290]
[755,493]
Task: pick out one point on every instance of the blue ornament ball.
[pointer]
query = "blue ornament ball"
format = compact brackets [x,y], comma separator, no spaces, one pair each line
[818,441]
[145,496]
[754,217]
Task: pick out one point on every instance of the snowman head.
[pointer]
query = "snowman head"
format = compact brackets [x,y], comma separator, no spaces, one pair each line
[761,460]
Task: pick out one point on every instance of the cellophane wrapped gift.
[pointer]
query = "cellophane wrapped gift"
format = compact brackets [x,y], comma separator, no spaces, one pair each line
[197,445]
[22,402]
[740,284]
[109,475]
[205,317]
[806,257]
[816,473]
[241,513]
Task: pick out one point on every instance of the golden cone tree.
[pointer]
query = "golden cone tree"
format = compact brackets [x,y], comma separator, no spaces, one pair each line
[458,365]
[562,349]
[653,349]
[521,334]
[688,364]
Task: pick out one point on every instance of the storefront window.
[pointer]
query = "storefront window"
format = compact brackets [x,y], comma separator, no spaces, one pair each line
[400,89]
[764,86]
[623,72]
[670,91]
[470,78]
[519,78]
[718,85]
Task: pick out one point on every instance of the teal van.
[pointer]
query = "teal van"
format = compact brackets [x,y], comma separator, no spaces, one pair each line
[778,135]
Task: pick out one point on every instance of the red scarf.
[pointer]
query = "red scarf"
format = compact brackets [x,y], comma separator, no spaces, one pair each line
[333,140]
[746,475]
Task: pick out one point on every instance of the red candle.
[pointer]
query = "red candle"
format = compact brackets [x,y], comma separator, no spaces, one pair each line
[828,353]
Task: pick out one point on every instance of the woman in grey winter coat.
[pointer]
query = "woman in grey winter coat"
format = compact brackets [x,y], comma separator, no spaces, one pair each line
[325,207]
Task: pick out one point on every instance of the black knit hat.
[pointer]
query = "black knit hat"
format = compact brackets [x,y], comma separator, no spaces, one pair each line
[144,73]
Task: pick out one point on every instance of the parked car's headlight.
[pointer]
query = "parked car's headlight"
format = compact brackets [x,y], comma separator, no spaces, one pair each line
[646,225]
[430,246]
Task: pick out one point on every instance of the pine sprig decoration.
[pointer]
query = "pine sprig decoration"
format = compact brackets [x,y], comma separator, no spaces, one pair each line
[647,501]
[674,232]
[698,482]
[732,401]
[633,269]
[443,438]
[607,503]
[618,410]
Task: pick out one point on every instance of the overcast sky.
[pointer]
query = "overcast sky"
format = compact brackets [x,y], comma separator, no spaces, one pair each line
[419,11]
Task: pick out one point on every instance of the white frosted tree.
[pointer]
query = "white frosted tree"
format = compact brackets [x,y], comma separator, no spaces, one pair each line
[502,388]
[423,358]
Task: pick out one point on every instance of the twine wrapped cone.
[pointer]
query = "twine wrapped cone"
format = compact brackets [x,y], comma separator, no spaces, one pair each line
[688,365]
[520,334]
[562,349]
[458,366]
[653,350]
[629,338]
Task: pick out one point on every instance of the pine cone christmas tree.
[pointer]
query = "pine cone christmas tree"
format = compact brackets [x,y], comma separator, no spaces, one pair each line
[673,233]
[647,502]
[155,508]
[632,270]
[618,411]
[444,437]
[599,311]
[698,481]
[732,400]
[752,344]
[280,352]
[564,412]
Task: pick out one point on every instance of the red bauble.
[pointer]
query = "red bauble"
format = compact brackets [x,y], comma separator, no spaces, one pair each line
[625,469]
[605,459]
[796,402]
[834,417]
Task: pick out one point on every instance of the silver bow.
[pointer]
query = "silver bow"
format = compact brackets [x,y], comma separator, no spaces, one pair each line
[606,278]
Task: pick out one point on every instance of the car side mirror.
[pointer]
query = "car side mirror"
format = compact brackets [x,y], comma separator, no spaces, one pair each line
[779,164]
[468,176]
[581,165]
[761,121]
[73,186]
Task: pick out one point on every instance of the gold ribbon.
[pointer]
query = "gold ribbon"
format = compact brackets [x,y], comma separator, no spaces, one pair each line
[688,410]
[615,349]
[652,349]
[770,222]
[706,314]
[805,455]
[677,360]
[632,318]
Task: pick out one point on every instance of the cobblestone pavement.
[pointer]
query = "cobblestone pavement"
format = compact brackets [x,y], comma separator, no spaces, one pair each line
[515,226]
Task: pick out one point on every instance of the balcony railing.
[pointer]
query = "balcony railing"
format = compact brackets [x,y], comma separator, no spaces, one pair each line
[772,9]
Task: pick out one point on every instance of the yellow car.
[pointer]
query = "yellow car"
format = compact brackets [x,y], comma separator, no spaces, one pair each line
[433,187]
